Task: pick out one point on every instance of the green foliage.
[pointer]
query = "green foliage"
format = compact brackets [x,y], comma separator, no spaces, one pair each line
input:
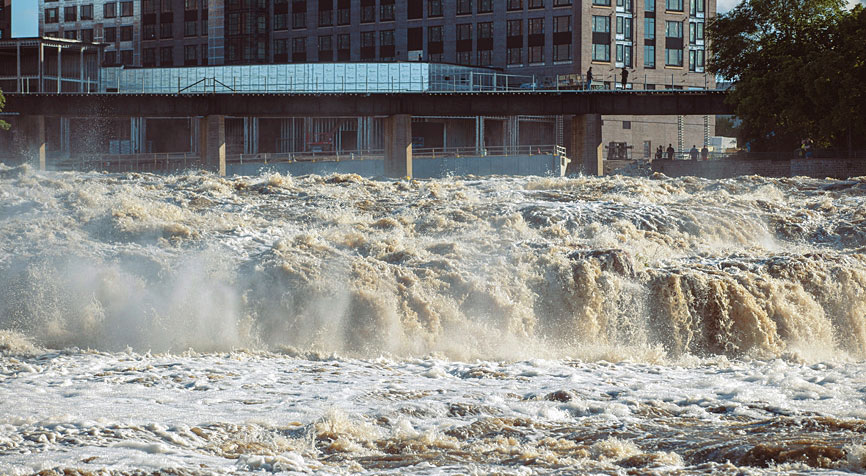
[3,124]
[799,68]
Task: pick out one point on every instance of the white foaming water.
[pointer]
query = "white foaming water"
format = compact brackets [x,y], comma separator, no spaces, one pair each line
[748,295]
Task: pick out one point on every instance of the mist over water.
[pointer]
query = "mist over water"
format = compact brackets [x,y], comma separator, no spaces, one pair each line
[496,268]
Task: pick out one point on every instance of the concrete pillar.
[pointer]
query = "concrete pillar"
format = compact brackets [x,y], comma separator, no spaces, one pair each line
[251,135]
[398,146]
[585,149]
[65,136]
[214,143]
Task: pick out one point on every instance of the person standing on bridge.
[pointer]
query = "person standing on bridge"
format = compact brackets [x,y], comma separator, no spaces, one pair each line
[693,154]
[624,77]
[705,153]
[670,152]
[589,78]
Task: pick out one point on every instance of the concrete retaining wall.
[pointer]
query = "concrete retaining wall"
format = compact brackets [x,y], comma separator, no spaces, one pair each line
[727,168]
[422,167]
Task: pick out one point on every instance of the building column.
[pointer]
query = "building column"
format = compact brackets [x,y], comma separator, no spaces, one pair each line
[65,136]
[479,135]
[213,144]
[251,135]
[398,146]
[585,151]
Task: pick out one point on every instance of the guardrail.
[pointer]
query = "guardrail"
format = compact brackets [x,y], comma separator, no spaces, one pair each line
[149,162]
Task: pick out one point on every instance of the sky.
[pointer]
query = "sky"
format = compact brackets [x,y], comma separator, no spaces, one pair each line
[24,15]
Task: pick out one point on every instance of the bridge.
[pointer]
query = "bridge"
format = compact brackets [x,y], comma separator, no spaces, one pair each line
[584,108]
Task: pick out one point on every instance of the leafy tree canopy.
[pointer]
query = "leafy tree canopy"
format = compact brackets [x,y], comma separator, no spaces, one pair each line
[799,71]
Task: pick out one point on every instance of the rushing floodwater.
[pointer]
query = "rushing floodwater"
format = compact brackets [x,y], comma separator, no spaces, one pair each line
[198,325]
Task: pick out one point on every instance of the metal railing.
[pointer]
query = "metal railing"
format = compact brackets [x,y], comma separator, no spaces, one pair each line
[145,162]
[417,152]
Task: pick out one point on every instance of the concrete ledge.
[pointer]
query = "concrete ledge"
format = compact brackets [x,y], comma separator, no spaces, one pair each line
[728,168]
[423,168]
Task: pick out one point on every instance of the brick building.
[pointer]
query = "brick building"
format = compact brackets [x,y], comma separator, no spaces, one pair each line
[661,42]
[5,19]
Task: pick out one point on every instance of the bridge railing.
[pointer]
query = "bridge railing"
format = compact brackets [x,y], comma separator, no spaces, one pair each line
[417,152]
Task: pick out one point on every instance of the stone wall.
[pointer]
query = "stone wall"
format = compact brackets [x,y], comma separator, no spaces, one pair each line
[727,168]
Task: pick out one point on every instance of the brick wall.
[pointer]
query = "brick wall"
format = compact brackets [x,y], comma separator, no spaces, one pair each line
[717,169]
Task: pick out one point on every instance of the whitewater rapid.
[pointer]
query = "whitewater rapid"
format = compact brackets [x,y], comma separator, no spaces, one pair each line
[336,323]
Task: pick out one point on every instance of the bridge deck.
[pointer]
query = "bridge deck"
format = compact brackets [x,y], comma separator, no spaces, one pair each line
[537,102]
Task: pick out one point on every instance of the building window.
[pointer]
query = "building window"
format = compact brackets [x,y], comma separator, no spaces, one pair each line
[110,34]
[434,34]
[562,52]
[299,20]
[485,6]
[562,24]
[165,30]
[190,4]
[696,61]
[70,35]
[190,55]
[649,56]
[696,8]
[464,31]
[485,57]
[167,6]
[561,3]
[623,27]
[299,48]
[165,58]
[536,26]
[344,41]
[485,30]
[464,57]
[626,124]
[649,5]
[536,54]
[673,57]
[536,4]
[204,54]
[50,15]
[434,8]
[70,14]
[86,12]
[344,16]
[601,3]
[649,28]
[386,38]
[189,27]
[696,32]
[601,52]
[515,56]
[126,9]
[126,57]
[126,33]
[110,58]
[326,48]
[674,5]
[674,29]
[148,57]
[281,52]
[109,10]
[515,5]
[326,17]
[368,14]
[624,5]
[515,27]
[148,6]
[87,35]
[368,39]
[600,24]
[464,7]
[281,21]
[623,55]
[386,11]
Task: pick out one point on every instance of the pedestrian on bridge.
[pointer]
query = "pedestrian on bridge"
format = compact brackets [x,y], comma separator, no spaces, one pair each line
[670,152]
[693,154]
[705,153]
[624,77]
[589,78]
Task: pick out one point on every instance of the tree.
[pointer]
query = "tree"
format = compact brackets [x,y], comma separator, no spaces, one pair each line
[798,70]
[3,124]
